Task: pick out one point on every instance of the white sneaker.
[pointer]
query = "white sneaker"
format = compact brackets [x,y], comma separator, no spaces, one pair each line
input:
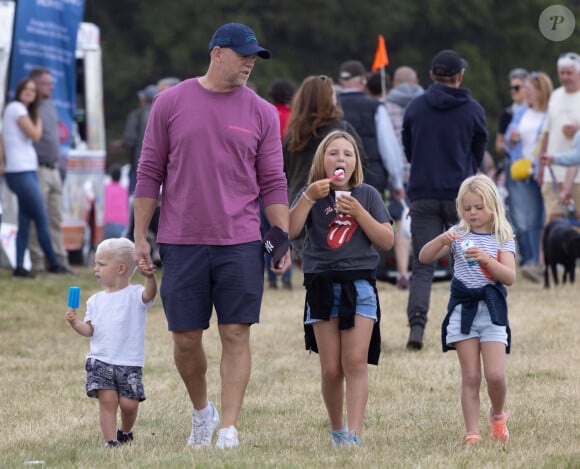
[202,429]
[227,438]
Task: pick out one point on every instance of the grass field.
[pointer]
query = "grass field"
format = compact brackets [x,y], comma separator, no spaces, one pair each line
[413,417]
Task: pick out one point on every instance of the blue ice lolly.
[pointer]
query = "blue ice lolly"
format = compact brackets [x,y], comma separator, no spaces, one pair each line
[74,297]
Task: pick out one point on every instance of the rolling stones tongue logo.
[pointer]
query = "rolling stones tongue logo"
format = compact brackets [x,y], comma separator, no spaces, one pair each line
[340,230]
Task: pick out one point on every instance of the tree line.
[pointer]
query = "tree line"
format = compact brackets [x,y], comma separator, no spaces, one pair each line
[144,40]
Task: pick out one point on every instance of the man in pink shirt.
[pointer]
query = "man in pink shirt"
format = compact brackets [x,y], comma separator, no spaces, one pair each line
[215,146]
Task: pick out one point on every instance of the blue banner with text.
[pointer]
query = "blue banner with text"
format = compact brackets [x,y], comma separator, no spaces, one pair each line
[45,35]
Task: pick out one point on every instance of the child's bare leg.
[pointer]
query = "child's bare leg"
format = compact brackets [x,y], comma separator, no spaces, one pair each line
[494,364]
[355,350]
[468,353]
[331,375]
[129,410]
[402,250]
[108,403]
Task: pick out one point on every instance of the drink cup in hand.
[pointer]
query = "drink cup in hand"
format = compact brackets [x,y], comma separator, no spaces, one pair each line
[338,194]
[465,245]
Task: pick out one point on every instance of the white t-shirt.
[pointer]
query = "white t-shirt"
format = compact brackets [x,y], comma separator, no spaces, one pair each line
[530,129]
[19,152]
[118,321]
[564,108]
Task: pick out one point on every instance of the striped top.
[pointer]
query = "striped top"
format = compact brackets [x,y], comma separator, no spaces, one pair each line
[477,276]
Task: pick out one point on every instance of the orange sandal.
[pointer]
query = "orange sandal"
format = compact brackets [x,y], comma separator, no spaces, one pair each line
[472,439]
[498,423]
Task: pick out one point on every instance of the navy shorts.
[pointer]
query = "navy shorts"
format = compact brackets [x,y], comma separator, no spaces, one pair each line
[198,278]
[126,380]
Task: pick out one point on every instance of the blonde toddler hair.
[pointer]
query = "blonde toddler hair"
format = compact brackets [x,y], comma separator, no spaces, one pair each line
[122,249]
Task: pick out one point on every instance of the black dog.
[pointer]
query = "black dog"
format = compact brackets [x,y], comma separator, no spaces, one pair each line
[561,245]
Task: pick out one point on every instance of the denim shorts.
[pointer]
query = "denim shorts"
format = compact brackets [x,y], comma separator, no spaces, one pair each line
[366,302]
[481,328]
[197,278]
[126,380]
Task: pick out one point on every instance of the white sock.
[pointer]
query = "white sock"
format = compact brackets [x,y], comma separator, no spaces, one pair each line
[203,413]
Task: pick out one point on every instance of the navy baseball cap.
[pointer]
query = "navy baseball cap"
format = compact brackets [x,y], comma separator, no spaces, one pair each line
[240,39]
[447,63]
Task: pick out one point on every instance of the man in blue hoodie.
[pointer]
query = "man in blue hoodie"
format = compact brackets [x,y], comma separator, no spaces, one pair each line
[444,135]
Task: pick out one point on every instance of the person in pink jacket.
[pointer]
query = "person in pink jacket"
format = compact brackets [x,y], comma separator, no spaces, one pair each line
[116,212]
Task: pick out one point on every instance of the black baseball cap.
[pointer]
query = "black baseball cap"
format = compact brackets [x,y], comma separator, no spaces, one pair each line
[447,63]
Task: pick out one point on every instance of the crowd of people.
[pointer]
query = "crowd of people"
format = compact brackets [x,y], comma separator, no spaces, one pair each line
[452,145]
[233,186]
[31,162]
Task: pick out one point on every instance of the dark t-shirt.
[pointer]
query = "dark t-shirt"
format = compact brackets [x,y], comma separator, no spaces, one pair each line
[335,242]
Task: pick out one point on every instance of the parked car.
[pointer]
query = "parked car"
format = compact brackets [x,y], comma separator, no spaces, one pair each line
[387,268]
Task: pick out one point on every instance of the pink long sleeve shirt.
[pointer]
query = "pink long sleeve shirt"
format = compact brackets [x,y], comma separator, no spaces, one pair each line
[215,154]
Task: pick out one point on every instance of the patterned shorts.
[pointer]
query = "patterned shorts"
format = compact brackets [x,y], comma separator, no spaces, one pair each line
[126,380]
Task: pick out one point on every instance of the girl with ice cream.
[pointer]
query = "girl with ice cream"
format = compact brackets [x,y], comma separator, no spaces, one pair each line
[339,260]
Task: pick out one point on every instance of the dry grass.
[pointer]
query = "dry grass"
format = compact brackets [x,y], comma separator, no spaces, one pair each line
[413,417]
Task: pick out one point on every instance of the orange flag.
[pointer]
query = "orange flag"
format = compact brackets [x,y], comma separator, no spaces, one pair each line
[381,57]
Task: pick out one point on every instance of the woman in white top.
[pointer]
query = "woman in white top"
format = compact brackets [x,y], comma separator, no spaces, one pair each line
[526,201]
[21,127]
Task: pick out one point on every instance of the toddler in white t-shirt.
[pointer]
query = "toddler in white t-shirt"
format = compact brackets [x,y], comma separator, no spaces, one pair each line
[115,322]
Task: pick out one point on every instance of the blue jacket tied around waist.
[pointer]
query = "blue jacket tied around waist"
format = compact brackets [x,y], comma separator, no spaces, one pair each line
[494,295]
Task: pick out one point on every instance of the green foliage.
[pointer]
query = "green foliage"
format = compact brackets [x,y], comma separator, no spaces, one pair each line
[144,40]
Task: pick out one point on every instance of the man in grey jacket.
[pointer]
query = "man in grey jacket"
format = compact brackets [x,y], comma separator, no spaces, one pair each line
[406,87]
[49,178]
